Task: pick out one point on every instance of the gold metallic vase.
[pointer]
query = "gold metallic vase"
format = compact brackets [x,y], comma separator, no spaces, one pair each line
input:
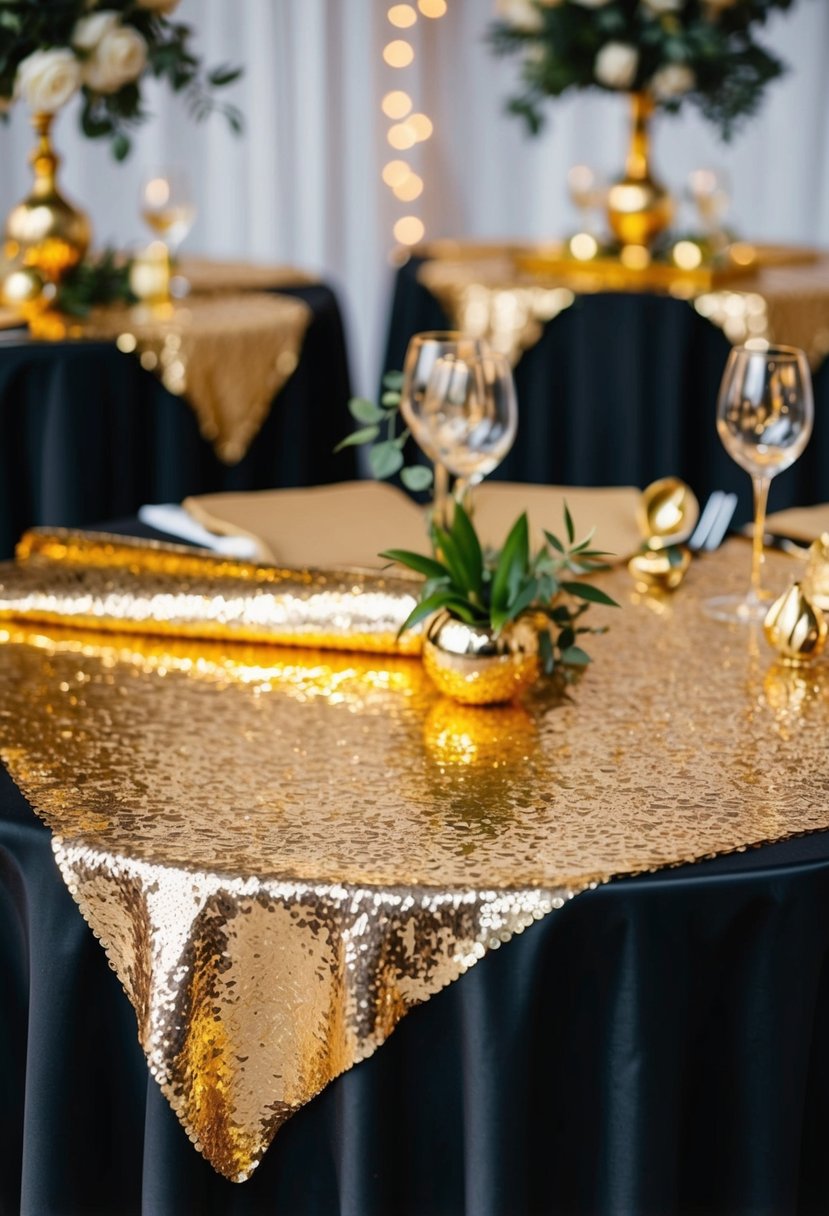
[639,208]
[46,233]
[795,627]
[475,665]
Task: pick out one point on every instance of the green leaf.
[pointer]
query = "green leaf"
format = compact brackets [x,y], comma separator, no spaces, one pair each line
[512,565]
[444,543]
[121,146]
[554,541]
[366,434]
[223,75]
[568,523]
[393,380]
[390,400]
[586,591]
[385,459]
[455,604]
[417,477]
[469,549]
[364,410]
[574,656]
[424,565]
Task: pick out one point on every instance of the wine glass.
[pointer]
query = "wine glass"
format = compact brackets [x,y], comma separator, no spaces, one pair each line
[764,419]
[168,209]
[588,193]
[470,415]
[710,192]
[422,353]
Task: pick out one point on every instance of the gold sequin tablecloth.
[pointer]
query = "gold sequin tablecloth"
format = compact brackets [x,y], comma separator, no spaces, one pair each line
[282,851]
[228,352]
[486,293]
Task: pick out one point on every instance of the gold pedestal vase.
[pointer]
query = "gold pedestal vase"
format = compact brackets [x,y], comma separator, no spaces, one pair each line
[46,233]
[476,666]
[639,207]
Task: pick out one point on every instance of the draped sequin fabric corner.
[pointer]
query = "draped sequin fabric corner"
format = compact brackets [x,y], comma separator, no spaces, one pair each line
[228,354]
[100,582]
[283,851]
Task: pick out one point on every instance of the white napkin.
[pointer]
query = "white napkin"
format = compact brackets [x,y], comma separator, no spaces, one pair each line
[169,517]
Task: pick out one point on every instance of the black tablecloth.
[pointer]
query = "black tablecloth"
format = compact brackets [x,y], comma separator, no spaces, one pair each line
[621,389]
[658,1046]
[86,433]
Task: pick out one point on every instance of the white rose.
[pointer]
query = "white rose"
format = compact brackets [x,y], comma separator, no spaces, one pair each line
[672,81]
[664,6]
[119,58]
[616,65]
[522,14]
[89,31]
[47,79]
[158,6]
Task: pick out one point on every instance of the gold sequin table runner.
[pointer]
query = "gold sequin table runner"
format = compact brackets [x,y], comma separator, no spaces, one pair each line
[282,851]
[485,292]
[228,352]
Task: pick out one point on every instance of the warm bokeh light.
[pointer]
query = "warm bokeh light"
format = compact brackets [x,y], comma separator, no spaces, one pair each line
[398,54]
[157,192]
[397,104]
[432,8]
[402,15]
[583,246]
[409,189]
[421,125]
[635,257]
[409,230]
[687,255]
[395,173]
[401,136]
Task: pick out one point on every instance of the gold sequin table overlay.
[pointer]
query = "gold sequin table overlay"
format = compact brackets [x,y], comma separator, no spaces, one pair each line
[485,294]
[229,354]
[283,851]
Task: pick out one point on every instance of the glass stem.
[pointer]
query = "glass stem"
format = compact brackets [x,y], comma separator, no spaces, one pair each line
[441,494]
[761,497]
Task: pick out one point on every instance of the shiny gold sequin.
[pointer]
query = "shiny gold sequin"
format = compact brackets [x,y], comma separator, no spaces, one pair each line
[95,581]
[283,851]
[229,354]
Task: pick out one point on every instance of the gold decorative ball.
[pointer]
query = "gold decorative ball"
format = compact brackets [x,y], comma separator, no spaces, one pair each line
[795,627]
[22,287]
[476,666]
[638,210]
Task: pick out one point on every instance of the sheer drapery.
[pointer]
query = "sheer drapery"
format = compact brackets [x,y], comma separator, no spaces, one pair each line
[303,185]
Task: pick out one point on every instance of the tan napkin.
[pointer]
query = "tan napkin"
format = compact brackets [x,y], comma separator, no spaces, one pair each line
[350,523]
[800,523]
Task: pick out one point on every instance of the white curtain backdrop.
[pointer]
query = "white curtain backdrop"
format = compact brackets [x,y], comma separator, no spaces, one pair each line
[303,184]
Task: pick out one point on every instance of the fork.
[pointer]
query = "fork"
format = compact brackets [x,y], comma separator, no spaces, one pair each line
[713,523]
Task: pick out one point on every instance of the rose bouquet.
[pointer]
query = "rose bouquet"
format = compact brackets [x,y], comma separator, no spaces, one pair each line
[50,50]
[700,51]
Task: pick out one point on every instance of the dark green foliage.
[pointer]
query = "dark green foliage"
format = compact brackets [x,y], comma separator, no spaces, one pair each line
[731,67]
[31,25]
[97,281]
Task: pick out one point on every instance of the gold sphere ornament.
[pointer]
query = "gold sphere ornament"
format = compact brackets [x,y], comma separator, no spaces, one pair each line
[659,569]
[45,232]
[667,513]
[476,666]
[639,208]
[795,627]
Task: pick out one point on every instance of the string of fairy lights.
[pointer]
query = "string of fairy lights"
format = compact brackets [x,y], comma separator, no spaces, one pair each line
[408,127]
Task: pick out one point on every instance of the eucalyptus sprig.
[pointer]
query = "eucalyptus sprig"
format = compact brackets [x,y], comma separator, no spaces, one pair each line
[490,590]
[97,281]
[378,431]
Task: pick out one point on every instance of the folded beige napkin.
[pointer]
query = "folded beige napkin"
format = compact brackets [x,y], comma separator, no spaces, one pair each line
[800,523]
[350,523]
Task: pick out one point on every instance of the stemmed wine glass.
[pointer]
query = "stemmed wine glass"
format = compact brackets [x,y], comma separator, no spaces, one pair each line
[167,206]
[764,419]
[470,415]
[423,352]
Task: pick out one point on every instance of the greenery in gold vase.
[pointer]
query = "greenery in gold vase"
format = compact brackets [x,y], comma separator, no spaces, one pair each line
[494,589]
[700,52]
[51,50]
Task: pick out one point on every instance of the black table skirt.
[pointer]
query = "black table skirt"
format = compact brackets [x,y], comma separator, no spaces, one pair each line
[621,389]
[658,1046]
[87,434]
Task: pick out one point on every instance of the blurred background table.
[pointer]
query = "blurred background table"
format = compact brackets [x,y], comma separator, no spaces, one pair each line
[86,433]
[620,387]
